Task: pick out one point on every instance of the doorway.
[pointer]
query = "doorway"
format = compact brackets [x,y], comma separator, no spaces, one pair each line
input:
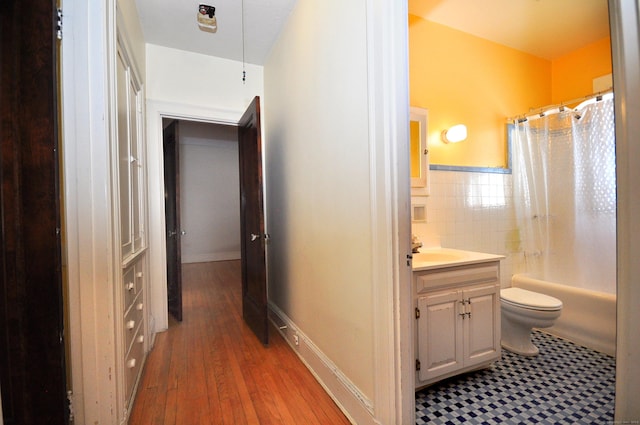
[202,210]
[251,216]
[461,233]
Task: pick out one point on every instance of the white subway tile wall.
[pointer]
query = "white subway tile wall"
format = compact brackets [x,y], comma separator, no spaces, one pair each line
[474,212]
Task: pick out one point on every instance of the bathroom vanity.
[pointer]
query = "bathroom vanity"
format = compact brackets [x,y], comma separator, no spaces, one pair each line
[457,311]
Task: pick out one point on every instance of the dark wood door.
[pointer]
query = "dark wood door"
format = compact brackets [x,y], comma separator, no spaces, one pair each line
[254,276]
[172,214]
[32,354]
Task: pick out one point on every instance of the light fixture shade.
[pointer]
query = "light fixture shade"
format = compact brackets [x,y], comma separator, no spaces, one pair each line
[455,134]
[207,19]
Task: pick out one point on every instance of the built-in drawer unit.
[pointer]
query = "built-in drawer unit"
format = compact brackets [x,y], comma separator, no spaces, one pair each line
[133,326]
[133,361]
[132,279]
[132,320]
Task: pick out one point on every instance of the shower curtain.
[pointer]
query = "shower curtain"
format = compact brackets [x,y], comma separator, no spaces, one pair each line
[565,195]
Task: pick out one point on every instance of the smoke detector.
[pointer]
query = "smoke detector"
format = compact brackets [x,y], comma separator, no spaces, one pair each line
[207,18]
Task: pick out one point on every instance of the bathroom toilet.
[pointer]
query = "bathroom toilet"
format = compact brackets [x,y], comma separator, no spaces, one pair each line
[522,310]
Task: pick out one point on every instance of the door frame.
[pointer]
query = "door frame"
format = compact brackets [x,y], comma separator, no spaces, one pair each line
[156,111]
[625,48]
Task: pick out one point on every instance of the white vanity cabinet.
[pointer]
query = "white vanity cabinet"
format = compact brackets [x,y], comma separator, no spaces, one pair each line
[457,311]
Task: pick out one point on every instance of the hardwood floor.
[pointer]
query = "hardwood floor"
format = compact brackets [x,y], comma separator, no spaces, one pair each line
[210,369]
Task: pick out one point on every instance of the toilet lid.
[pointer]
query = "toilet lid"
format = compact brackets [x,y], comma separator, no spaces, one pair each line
[528,299]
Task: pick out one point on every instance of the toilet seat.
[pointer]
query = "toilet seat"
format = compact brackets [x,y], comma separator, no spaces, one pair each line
[530,300]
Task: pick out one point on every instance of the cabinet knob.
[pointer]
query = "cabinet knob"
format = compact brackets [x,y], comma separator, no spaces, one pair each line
[131,363]
[140,339]
[131,324]
[139,274]
[130,286]
[139,306]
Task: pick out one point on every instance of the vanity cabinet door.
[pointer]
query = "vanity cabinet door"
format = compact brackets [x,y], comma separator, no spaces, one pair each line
[482,324]
[440,334]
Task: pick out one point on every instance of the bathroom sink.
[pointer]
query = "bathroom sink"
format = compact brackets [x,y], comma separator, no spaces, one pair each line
[437,256]
[433,258]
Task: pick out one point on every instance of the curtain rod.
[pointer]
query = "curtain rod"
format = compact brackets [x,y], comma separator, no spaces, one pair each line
[560,107]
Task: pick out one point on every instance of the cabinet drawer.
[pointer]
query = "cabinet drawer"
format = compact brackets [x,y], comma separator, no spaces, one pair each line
[132,320]
[129,283]
[133,362]
[132,279]
[453,276]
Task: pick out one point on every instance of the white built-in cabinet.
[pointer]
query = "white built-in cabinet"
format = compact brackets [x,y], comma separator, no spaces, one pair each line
[457,313]
[130,213]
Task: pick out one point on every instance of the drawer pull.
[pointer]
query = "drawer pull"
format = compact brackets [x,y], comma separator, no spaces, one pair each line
[139,306]
[130,286]
[131,363]
[131,324]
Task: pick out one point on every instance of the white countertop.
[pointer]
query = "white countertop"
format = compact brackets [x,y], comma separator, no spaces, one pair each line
[435,258]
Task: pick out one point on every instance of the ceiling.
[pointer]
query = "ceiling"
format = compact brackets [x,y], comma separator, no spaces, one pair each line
[172,23]
[545,28]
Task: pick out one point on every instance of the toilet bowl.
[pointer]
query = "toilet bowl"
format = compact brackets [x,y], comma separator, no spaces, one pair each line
[522,310]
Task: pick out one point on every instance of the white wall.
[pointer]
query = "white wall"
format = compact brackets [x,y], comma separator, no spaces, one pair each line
[209,192]
[331,148]
[195,87]
[182,77]
[318,186]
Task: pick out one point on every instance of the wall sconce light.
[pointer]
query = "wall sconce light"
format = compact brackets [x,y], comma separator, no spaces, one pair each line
[455,134]
[207,18]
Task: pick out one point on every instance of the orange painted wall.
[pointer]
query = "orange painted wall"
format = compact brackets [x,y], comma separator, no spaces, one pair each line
[572,75]
[461,78]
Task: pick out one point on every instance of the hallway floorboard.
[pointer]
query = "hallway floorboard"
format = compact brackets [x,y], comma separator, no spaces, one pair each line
[210,369]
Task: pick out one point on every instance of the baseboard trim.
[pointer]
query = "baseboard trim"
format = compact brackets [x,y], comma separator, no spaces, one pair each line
[356,406]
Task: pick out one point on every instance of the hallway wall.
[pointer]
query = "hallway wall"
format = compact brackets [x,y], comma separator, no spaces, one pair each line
[188,78]
[209,192]
[337,200]
[318,198]
[185,85]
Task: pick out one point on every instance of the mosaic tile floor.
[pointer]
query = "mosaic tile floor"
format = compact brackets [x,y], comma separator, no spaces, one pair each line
[564,384]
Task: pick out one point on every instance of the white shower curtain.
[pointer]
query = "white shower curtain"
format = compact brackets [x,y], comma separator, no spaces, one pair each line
[565,196]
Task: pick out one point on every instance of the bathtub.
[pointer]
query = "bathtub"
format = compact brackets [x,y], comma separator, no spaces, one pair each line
[588,317]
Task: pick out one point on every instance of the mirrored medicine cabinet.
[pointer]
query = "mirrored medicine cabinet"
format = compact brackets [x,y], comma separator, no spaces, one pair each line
[419,152]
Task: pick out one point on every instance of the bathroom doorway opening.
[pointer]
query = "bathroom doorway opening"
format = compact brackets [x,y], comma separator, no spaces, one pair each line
[474,191]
